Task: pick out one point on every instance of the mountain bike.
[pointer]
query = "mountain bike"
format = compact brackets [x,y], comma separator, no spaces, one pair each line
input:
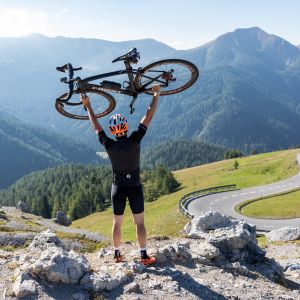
[173,76]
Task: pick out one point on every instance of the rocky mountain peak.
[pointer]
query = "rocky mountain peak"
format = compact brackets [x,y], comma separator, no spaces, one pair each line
[248,44]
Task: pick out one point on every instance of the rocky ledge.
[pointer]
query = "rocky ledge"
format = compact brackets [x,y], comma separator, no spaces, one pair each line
[218,259]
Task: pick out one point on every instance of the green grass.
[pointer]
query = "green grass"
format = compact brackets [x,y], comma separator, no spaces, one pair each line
[163,217]
[89,246]
[262,241]
[2,222]
[283,206]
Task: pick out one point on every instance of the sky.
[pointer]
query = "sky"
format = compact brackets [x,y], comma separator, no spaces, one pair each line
[182,24]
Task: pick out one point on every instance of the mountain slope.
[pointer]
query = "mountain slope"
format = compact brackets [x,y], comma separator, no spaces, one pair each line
[26,148]
[181,154]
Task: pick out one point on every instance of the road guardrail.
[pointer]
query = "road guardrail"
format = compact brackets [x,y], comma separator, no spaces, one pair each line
[186,199]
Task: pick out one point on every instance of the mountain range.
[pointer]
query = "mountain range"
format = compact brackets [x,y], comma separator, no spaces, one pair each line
[247,96]
[26,148]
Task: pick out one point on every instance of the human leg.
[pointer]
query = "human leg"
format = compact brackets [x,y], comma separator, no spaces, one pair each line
[116,230]
[118,201]
[136,203]
[141,233]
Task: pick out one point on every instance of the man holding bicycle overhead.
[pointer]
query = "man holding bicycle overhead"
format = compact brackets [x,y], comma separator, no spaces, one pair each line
[124,154]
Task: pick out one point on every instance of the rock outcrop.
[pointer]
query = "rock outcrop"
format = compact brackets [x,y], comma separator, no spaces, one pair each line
[284,234]
[24,286]
[217,250]
[62,219]
[235,239]
[23,207]
[56,265]
[44,240]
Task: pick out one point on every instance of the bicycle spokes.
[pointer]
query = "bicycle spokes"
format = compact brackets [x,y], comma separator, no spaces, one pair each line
[173,75]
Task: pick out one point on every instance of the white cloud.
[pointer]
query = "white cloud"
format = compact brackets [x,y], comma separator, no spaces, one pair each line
[17,22]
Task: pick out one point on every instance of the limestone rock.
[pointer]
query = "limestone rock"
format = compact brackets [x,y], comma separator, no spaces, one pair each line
[271,270]
[204,251]
[133,287]
[100,282]
[209,221]
[292,266]
[43,240]
[24,286]
[62,219]
[238,242]
[59,266]
[177,251]
[23,207]
[235,239]
[284,234]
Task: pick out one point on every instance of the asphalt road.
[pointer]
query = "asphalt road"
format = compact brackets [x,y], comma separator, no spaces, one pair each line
[226,201]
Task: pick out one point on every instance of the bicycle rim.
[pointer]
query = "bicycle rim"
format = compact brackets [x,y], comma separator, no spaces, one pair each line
[183,74]
[101,102]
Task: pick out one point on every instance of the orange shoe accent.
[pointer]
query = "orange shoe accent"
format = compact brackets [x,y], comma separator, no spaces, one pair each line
[119,259]
[148,261]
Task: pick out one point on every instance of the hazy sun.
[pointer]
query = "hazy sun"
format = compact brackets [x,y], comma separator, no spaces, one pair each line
[19,22]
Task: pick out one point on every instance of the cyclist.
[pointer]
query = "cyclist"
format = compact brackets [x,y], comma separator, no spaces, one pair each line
[124,154]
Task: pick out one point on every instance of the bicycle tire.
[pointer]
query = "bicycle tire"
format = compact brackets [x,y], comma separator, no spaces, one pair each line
[166,65]
[70,109]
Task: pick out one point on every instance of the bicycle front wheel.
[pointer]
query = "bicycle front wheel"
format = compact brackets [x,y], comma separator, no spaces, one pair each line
[102,104]
[173,75]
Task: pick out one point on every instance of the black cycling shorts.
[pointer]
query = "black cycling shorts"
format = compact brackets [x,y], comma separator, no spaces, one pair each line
[135,196]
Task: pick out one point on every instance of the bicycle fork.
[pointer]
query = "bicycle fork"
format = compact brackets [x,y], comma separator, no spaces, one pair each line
[132,109]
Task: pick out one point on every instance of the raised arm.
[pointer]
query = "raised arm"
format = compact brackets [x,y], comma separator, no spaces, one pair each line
[86,102]
[146,120]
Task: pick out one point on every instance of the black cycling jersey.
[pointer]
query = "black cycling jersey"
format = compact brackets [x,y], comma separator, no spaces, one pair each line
[124,154]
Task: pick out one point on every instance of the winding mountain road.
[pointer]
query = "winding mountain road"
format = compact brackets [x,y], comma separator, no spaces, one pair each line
[226,201]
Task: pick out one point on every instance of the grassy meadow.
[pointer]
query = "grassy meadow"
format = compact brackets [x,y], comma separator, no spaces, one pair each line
[162,216]
[281,206]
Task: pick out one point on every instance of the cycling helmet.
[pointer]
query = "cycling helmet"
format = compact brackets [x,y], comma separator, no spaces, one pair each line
[118,124]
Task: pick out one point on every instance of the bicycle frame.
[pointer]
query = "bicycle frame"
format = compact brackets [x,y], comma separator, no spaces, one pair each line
[134,91]
[83,84]
[130,92]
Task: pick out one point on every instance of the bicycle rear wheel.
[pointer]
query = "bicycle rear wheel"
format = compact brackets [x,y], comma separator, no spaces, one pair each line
[173,75]
[101,102]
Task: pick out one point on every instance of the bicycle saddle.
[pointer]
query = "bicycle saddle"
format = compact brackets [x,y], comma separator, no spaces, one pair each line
[132,56]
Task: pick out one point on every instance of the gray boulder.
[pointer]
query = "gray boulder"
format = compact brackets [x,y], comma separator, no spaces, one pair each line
[23,207]
[208,221]
[62,219]
[176,251]
[59,266]
[284,234]
[292,266]
[204,251]
[24,286]
[232,237]
[100,282]
[235,239]
[43,240]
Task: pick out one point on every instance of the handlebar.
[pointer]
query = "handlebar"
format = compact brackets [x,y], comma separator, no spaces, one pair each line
[68,68]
